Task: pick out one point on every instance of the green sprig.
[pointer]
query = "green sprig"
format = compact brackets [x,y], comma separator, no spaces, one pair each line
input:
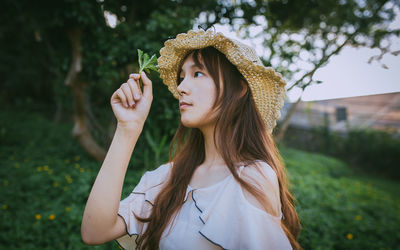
[146,64]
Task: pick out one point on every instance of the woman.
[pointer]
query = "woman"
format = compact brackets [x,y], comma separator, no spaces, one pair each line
[224,186]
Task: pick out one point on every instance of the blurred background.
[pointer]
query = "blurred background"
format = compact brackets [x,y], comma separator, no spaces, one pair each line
[60,62]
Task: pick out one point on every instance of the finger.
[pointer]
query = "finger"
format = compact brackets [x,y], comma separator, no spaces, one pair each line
[120,94]
[147,86]
[114,96]
[134,76]
[128,94]
[135,89]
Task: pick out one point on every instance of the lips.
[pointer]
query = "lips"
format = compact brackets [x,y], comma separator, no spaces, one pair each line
[184,105]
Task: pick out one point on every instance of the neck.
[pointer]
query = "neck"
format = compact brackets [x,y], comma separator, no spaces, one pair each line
[212,156]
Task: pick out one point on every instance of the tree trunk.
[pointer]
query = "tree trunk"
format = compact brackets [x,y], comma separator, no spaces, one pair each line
[286,121]
[80,130]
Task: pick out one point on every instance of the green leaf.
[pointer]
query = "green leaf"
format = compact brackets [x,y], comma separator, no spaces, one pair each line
[146,64]
[146,57]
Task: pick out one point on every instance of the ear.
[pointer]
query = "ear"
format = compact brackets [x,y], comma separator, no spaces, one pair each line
[244,88]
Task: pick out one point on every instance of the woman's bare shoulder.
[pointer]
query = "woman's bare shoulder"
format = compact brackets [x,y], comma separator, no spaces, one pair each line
[265,179]
[260,169]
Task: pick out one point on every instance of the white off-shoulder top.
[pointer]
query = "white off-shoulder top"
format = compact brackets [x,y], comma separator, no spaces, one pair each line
[215,217]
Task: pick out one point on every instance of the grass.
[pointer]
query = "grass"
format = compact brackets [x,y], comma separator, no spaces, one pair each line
[46,177]
[340,209]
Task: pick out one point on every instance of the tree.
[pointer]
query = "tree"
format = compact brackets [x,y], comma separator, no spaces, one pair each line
[298,33]
[54,44]
[77,48]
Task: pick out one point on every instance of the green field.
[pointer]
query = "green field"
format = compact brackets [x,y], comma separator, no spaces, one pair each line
[45,179]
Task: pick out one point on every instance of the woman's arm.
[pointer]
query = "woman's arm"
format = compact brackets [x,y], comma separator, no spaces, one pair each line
[100,222]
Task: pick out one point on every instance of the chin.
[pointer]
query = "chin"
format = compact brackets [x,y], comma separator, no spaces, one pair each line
[189,123]
[194,122]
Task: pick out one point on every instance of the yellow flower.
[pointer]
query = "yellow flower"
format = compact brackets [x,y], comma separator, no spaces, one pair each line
[45,168]
[358,217]
[67,209]
[77,158]
[52,217]
[4,207]
[17,165]
[81,170]
[68,178]
[5,183]
[39,169]
[38,216]
[55,184]
[76,165]
[349,236]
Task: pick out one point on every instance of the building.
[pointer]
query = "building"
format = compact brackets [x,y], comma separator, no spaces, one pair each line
[380,112]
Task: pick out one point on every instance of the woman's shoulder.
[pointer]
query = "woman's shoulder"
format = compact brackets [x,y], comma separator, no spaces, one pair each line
[259,169]
[161,170]
[263,176]
[155,177]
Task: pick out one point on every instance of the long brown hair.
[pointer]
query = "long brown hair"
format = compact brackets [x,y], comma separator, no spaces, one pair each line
[244,139]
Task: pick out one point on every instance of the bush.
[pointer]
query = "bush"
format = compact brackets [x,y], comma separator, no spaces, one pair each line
[370,151]
[46,178]
[338,210]
[374,151]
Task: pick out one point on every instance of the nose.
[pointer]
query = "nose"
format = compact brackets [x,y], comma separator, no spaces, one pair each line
[182,88]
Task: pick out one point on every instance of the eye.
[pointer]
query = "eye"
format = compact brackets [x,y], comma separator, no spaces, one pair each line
[181,78]
[198,72]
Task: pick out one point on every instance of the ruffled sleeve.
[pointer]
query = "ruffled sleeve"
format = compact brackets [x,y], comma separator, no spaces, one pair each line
[140,201]
[231,221]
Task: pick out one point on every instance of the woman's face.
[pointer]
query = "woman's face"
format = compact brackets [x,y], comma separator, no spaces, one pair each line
[197,88]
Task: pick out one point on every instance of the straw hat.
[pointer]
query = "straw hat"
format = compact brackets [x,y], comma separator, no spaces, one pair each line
[267,87]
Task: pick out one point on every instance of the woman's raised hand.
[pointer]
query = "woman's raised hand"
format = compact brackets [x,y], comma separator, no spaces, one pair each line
[130,106]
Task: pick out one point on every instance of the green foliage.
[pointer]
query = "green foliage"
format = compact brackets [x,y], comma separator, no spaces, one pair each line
[369,150]
[145,63]
[46,180]
[338,209]
[36,59]
[372,150]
